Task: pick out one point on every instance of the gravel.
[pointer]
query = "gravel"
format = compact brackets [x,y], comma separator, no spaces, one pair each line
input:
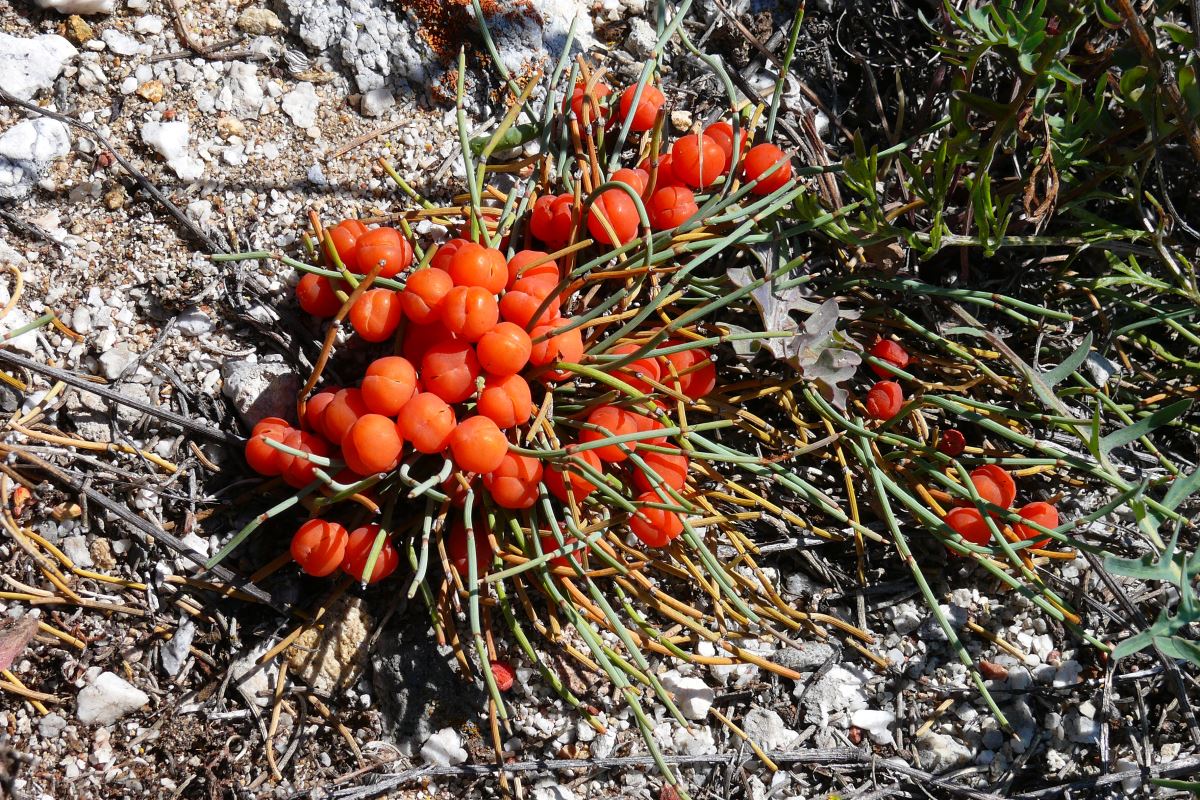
[107,699]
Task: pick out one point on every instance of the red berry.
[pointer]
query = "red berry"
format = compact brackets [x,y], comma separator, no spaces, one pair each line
[478,445]
[587,103]
[514,483]
[526,296]
[695,368]
[316,295]
[552,219]
[884,400]
[419,338]
[891,352]
[372,445]
[522,265]
[386,246]
[558,477]
[721,132]
[671,467]
[318,547]
[314,409]
[262,457]
[671,207]
[1043,514]
[345,236]
[620,212]
[473,265]
[505,400]
[341,413]
[994,484]
[358,550]
[449,370]
[503,674]
[618,422]
[390,382]
[470,312]
[505,349]
[457,552]
[376,314]
[566,346]
[444,255]
[299,472]
[953,443]
[638,372]
[635,178]
[759,160]
[697,160]
[427,422]
[666,172]
[647,108]
[423,294]
[969,524]
[656,527]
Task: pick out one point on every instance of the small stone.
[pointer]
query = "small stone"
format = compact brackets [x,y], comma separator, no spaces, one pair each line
[300,105]
[51,725]
[151,91]
[107,699]
[1068,674]
[1080,729]
[115,361]
[78,31]
[241,93]
[149,25]
[194,322]
[376,101]
[260,390]
[113,200]
[258,21]
[938,752]
[79,6]
[768,730]
[641,39]
[228,127]
[905,618]
[805,657]
[681,120]
[692,695]
[444,749]
[120,43]
[170,140]
[27,150]
[76,549]
[330,658]
[875,723]
[992,671]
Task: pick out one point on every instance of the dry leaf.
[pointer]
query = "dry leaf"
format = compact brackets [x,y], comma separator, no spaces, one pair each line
[14,635]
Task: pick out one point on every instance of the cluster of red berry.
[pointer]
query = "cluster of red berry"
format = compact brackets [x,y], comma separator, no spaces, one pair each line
[996,485]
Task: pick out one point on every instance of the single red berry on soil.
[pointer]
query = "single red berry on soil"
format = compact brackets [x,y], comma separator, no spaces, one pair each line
[759,161]
[952,443]
[316,295]
[619,210]
[449,370]
[345,236]
[522,265]
[503,674]
[318,547]
[672,468]
[697,160]
[969,523]
[994,484]
[390,382]
[478,445]
[1043,514]
[587,103]
[386,246]
[505,349]
[559,475]
[474,265]
[647,108]
[419,338]
[299,472]
[457,552]
[671,207]
[514,483]
[470,312]
[635,178]
[427,422]
[505,400]
[891,352]
[341,413]
[444,255]
[376,314]
[617,422]
[373,445]
[884,400]
[656,527]
[423,294]
[695,368]
[358,550]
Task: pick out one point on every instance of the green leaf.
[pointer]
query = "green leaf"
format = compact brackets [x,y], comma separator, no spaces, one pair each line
[1150,567]
[1133,644]
[1177,647]
[984,105]
[1070,363]
[1181,489]
[1137,430]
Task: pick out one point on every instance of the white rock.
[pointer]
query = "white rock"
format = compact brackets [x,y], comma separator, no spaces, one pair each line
[695,741]
[194,322]
[149,25]
[875,723]
[254,682]
[241,94]
[51,725]
[29,65]
[107,699]
[301,105]
[258,21]
[376,101]
[552,790]
[938,752]
[120,43]
[1068,674]
[76,549]
[837,691]
[79,6]
[768,730]
[115,361]
[170,140]
[1080,729]
[443,749]
[260,390]
[692,695]
[27,150]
